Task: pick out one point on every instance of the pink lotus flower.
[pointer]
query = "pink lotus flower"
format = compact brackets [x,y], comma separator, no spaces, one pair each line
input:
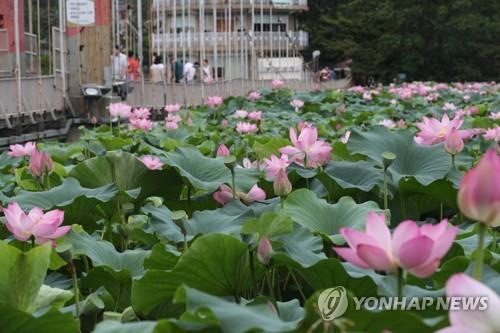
[274,164]
[416,249]
[172,108]
[151,162]
[171,125]
[492,134]
[214,101]
[401,124]
[472,320]
[433,131]
[255,194]
[303,124]
[479,193]
[173,118]
[246,128]
[449,107]
[357,89]
[432,97]
[453,144]
[255,115]
[277,84]
[21,151]
[282,186]
[254,96]
[225,195]
[240,114]
[40,163]
[223,150]
[44,227]
[297,104]
[121,110]
[307,150]
[389,123]
[472,110]
[141,124]
[142,113]
[224,123]
[345,138]
[247,164]
[264,251]
[495,115]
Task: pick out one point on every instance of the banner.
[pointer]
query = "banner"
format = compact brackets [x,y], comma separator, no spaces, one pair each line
[80,12]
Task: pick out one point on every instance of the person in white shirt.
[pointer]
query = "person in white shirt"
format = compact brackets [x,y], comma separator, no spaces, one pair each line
[189,72]
[119,63]
[207,72]
[158,70]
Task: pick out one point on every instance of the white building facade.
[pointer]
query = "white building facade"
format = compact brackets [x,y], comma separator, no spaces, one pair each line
[241,39]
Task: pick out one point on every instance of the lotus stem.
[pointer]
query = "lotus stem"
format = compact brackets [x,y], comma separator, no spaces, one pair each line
[298,286]
[385,190]
[75,288]
[252,272]
[270,287]
[494,245]
[480,254]
[400,283]
[282,202]
[233,182]
[453,162]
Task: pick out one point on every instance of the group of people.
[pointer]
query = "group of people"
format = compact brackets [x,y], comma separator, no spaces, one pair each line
[125,68]
[128,69]
[180,72]
[326,74]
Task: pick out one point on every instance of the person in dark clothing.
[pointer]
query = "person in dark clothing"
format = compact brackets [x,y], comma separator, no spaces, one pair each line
[179,71]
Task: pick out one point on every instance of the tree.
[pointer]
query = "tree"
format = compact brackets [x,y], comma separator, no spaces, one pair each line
[445,40]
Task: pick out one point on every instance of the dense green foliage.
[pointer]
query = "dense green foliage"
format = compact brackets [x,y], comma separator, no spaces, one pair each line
[444,40]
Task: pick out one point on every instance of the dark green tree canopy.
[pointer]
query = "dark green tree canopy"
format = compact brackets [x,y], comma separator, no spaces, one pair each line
[442,40]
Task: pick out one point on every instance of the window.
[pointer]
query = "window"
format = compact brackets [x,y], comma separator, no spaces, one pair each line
[267,27]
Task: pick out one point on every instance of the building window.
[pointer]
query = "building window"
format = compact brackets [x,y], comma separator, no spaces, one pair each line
[266,27]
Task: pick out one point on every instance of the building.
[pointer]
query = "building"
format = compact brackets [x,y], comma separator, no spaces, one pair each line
[241,39]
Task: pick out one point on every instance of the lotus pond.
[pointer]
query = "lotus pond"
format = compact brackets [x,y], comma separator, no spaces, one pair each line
[236,215]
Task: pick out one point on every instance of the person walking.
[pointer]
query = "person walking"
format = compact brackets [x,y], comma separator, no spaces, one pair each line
[158,70]
[207,72]
[133,73]
[119,72]
[189,72]
[178,69]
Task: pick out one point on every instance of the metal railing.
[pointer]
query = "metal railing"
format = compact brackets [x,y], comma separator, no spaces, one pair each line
[298,38]
[208,3]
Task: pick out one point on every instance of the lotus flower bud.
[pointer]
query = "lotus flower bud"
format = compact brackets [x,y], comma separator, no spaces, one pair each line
[40,163]
[282,186]
[223,151]
[264,251]
[479,193]
[453,143]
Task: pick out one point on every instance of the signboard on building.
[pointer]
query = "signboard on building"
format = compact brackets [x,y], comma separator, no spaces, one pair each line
[80,12]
